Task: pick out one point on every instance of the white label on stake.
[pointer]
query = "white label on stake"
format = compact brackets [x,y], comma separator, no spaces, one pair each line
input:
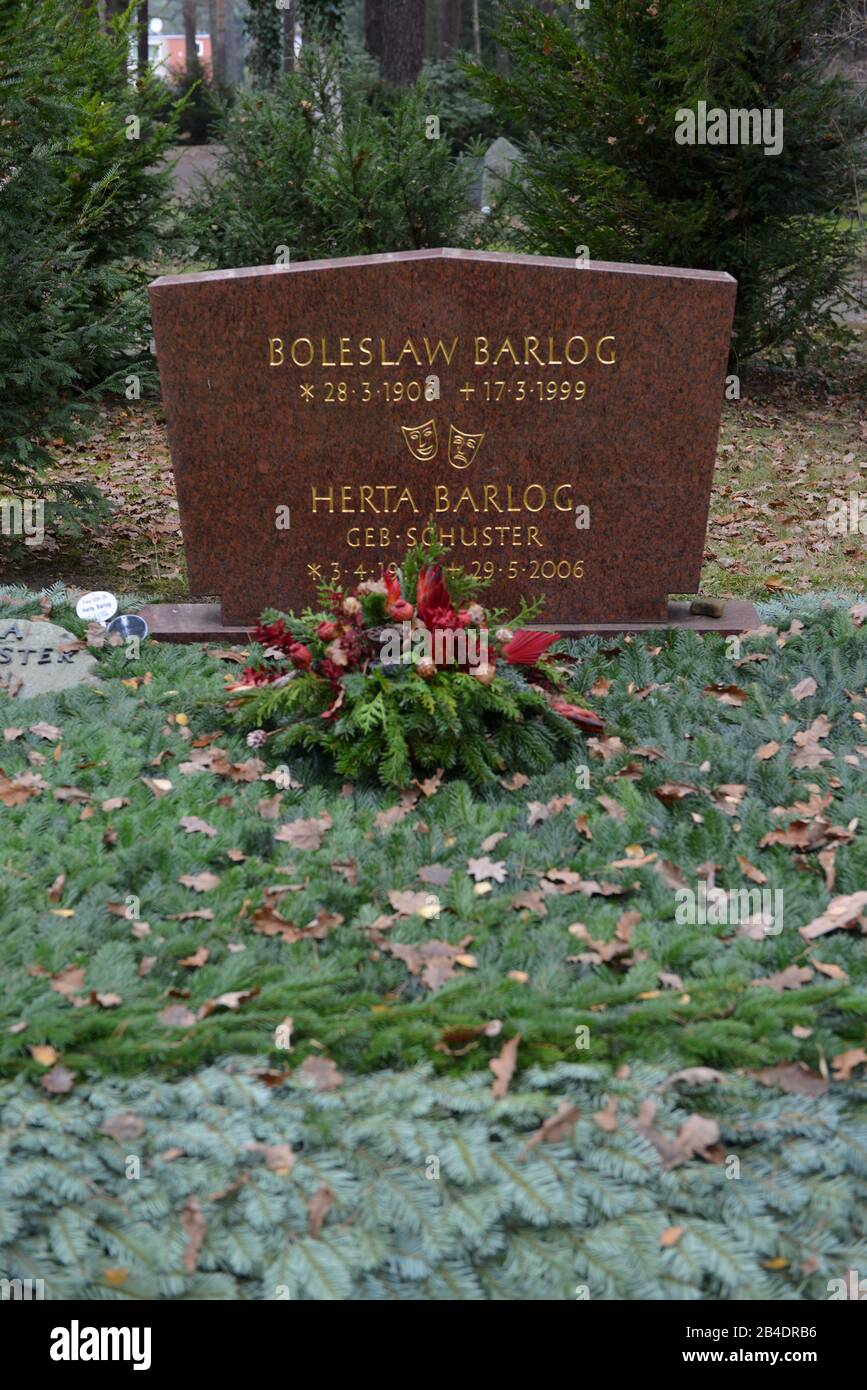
[97,606]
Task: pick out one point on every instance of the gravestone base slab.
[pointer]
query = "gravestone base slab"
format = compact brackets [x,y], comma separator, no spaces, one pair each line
[202,622]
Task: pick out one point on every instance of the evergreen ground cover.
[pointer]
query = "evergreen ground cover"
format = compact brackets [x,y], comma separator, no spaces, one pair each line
[423,1187]
[311,908]
[367,889]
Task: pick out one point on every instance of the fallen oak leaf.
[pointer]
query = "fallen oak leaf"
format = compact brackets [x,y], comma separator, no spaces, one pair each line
[59,1081]
[842,913]
[194,825]
[160,786]
[195,1228]
[503,1067]
[727,694]
[556,1128]
[844,1064]
[750,871]
[198,958]
[670,793]
[766,751]
[485,868]
[693,1076]
[279,1158]
[304,834]
[795,1078]
[200,883]
[177,1016]
[407,903]
[791,978]
[318,1208]
[834,972]
[47,731]
[607,1119]
[231,1000]
[319,1074]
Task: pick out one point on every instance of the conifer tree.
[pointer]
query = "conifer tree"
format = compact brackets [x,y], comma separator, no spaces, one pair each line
[604,88]
[80,201]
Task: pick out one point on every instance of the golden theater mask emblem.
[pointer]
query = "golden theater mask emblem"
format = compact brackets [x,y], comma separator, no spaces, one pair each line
[463,448]
[421,440]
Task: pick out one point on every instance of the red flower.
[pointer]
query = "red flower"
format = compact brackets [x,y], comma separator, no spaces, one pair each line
[525,648]
[330,670]
[584,718]
[326,632]
[396,606]
[258,676]
[274,635]
[433,600]
[300,656]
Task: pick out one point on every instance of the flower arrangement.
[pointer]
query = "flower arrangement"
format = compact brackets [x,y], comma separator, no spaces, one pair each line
[408,674]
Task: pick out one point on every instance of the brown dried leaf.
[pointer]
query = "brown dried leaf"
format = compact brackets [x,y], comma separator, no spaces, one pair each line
[319,1073]
[195,1228]
[58,1081]
[318,1208]
[304,834]
[487,868]
[200,883]
[503,1067]
[840,914]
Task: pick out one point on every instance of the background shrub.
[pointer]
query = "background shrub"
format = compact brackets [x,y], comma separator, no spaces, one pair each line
[79,207]
[600,89]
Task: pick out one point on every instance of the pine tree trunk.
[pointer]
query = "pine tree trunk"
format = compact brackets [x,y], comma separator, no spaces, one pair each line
[230,44]
[477,31]
[189,33]
[143,20]
[403,24]
[289,37]
[450,27]
[218,43]
[373,10]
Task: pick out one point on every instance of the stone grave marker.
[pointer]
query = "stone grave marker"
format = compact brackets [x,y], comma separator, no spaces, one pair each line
[500,159]
[555,422]
[37,657]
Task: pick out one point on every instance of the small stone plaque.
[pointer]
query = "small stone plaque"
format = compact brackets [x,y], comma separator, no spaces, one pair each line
[39,657]
[556,423]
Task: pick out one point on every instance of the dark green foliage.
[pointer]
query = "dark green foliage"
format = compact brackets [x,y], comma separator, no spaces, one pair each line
[200,109]
[78,200]
[435,1194]
[396,726]
[264,25]
[467,122]
[310,167]
[330,986]
[601,90]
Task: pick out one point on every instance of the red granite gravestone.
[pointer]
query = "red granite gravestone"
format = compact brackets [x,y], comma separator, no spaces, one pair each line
[556,424]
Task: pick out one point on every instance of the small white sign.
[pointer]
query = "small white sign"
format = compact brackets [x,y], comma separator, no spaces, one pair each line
[97,607]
